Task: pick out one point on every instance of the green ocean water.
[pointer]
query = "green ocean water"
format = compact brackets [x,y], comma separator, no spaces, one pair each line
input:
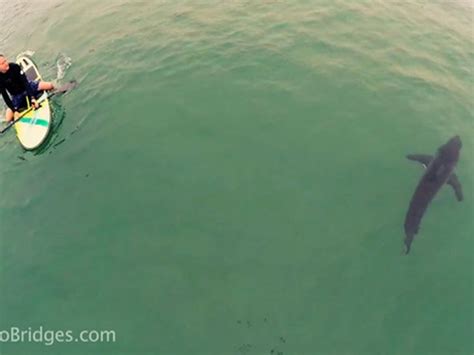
[230,178]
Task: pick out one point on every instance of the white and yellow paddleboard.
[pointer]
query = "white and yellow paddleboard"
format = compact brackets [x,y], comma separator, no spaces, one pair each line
[33,128]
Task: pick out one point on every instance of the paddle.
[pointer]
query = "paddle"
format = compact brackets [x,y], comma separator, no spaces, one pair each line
[61,90]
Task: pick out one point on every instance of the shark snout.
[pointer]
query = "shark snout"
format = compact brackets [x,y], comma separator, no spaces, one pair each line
[456,141]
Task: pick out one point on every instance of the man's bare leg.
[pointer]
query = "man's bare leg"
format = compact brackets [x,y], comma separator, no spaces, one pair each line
[9,115]
[45,86]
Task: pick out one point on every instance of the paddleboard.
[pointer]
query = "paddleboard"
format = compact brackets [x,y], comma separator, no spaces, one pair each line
[33,128]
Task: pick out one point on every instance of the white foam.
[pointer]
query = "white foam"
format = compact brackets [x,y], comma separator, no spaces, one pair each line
[63,62]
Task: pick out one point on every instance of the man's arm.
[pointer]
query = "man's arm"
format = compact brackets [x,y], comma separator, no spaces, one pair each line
[23,77]
[19,75]
[7,99]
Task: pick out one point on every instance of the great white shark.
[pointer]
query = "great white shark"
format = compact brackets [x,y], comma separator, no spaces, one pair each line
[439,171]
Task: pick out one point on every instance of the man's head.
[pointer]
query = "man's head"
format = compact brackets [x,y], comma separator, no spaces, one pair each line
[3,64]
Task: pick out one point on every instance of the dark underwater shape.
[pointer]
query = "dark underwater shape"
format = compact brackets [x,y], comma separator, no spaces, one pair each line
[439,171]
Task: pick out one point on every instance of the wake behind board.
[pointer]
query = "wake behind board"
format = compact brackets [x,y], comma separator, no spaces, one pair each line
[33,128]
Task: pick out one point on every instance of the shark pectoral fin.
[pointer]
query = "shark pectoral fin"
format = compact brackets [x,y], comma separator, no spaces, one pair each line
[421,158]
[456,185]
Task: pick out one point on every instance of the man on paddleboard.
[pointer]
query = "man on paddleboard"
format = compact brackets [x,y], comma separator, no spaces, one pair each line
[16,89]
